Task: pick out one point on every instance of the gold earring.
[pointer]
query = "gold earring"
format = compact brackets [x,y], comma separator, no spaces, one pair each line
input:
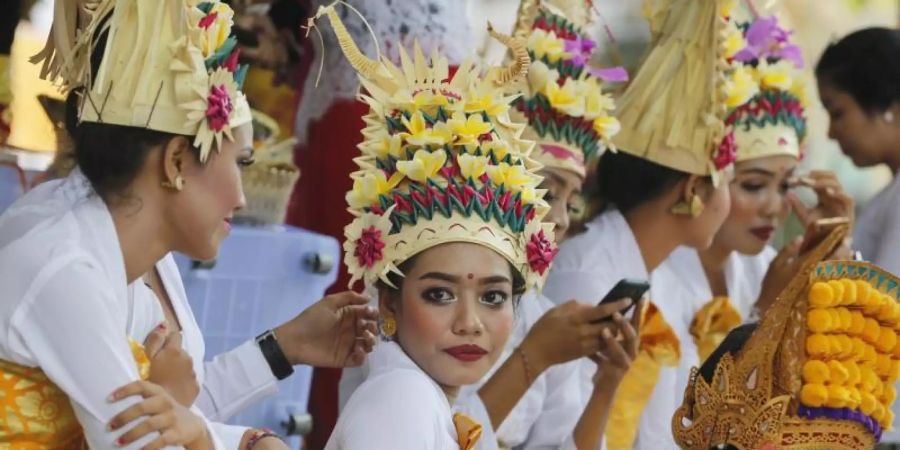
[388,326]
[178,185]
[693,209]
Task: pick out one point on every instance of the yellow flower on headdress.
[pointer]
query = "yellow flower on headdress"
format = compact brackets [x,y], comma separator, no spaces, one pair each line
[498,147]
[564,98]
[607,126]
[384,145]
[429,101]
[369,187]
[727,7]
[468,128]
[513,177]
[486,98]
[424,165]
[543,43]
[741,87]
[419,133]
[776,76]
[471,166]
[734,40]
[596,103]
[216,26]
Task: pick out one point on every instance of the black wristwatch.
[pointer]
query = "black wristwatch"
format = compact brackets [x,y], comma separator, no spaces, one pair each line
[270,349]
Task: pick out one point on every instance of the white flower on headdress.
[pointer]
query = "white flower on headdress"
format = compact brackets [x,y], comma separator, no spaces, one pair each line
[776,76]
[366,239]
[513,177]
[384,145]
[607,126]
[216,26]
[565,98]
[419,133]
[211,113]
[740,86]
[543,43]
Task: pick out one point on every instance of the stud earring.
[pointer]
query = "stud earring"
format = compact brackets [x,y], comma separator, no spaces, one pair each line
[693,208]
[178,185]
[889,116]
[388,326]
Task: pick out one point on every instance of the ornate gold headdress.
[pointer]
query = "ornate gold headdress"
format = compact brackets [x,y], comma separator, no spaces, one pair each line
[169,66]
[562,99]
[441,162]
[673,111]
[817,373]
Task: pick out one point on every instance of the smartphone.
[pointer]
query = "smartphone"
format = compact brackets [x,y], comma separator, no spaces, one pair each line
[819,230]
[627,288]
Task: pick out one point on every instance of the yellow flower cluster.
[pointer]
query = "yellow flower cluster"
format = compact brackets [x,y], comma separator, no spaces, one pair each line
[743,81]
[853,354]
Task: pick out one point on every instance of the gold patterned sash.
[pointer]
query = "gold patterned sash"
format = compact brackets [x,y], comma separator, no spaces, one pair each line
[37,414]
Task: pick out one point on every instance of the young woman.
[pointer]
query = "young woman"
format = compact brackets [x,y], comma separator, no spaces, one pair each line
[857,79]
[667,187]
[160,146]
[448,229]
[739,271]
[533,397]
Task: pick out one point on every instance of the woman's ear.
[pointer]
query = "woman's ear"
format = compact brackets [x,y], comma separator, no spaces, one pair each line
[387,301]
[175,156]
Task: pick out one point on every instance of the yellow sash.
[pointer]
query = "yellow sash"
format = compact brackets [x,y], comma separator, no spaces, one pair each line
[468,431]
[659,347]
[712,323]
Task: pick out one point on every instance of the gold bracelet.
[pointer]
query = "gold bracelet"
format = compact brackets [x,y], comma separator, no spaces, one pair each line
[526,366]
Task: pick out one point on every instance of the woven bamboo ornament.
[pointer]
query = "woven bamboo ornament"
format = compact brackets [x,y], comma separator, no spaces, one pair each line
[568,114]
[818,372]
[672,112]
[441,162]
[167,65]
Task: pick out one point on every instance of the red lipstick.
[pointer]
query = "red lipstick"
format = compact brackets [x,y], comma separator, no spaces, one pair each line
[466,353]
[763,233]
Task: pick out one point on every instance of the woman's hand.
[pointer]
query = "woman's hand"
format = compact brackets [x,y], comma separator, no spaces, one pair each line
[161,413]
[337,331]
[568,332]
[619,349]
[170,366]
[833,201]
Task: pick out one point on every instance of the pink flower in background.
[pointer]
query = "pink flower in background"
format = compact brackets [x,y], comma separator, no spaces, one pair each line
[540,252]
[369,247]
[218,107]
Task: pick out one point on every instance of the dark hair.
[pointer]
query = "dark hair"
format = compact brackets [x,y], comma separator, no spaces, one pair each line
[865,64]
[110,156]
[626,181]
[732,344]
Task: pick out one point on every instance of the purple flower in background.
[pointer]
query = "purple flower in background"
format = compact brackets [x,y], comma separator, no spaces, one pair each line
[611,75]
[765,39]
[580,49]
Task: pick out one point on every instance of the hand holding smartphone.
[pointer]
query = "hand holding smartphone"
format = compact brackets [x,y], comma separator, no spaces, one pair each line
[633,289]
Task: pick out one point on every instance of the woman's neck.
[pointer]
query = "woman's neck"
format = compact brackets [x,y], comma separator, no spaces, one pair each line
[645,223]
[451,392]
[713,261]
[141,239]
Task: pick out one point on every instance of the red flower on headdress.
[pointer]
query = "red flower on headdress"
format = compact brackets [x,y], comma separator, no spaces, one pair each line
[369,247]
[218,107]
[540,252]
[727,152]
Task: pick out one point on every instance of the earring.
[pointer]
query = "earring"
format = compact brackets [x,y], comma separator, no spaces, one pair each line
[388,326]
[889,116]
[693,208]
[178,185]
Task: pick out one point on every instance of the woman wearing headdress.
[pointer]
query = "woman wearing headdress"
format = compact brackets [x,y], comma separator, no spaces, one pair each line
[164,131]
[818,371]
[533,395]
[448,228]
[666,184]
[740,272]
